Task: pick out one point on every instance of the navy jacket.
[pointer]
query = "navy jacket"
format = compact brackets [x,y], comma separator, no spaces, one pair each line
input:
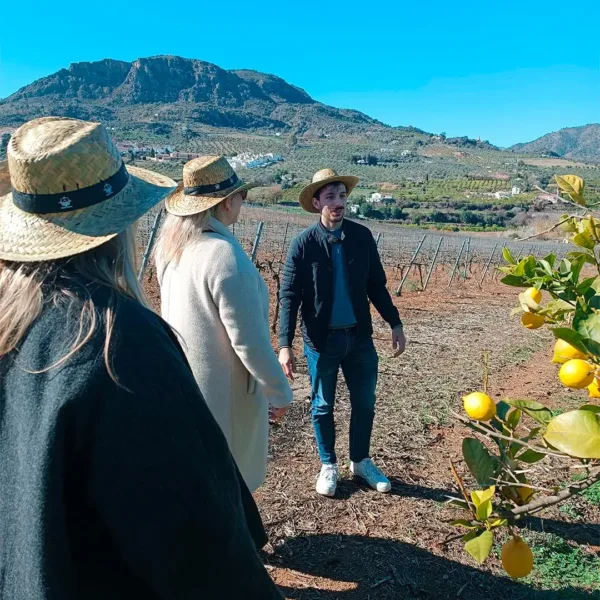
[118,493]
[307,283]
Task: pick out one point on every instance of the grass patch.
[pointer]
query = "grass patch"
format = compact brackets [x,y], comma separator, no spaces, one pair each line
[592,494]
[558,565]
[521,355]
[570,511]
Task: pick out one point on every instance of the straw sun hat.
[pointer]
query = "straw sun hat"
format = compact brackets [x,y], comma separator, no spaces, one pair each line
[207,181]
[320,179]
[71,191]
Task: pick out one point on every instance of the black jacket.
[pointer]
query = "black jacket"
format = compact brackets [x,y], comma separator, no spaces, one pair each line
[307,282]
[114,493]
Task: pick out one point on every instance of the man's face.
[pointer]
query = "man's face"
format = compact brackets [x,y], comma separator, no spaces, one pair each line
[331,202]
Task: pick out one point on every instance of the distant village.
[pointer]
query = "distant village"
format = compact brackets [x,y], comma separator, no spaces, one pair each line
[169,154]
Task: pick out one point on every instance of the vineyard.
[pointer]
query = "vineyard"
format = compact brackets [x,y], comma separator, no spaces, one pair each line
[414,259]
[367,546]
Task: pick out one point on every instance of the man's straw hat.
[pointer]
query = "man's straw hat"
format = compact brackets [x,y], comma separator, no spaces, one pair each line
[71,191]
[320,179]
[207,181]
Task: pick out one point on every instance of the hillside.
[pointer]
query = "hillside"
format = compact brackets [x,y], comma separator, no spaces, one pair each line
[171,89]
[164,110]
[581,143]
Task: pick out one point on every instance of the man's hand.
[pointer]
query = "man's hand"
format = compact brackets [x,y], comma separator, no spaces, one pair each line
[398,341]
[287,362]
[276,414]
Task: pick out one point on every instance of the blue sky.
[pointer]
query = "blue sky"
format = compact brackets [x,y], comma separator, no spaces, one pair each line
[507,71]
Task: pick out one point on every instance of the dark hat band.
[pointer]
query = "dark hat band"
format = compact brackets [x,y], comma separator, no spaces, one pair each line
[200,190]
[43,204]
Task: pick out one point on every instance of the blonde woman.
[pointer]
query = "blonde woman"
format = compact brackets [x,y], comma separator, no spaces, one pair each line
[115,480]
[215,298]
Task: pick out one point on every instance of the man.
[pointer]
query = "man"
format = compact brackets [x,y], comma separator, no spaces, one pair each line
[332,271]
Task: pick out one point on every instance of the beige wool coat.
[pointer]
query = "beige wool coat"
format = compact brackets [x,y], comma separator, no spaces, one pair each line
[216,300]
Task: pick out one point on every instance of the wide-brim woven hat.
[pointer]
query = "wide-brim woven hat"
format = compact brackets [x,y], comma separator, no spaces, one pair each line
[320,179]
[70,191]
[207,181]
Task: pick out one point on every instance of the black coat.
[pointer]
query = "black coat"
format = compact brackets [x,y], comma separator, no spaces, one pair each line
[118,493]
[308,281]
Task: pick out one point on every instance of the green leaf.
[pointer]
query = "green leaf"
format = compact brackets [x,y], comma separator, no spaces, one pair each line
[576,267]
[573,185]
[531,456]
[529,266]
[535,410]
[471,535]
[586,285]
[481,546]
[550,259]
[497,523]
[546,266]
[464,523]
[588,257]
[584,240]
[594,408]
[482,465]
[481,496]
[508,257]
[513,280]
[564,267]
[588,326]
[502,409]
[556,308]
[484,510]
[520,268]
[513,418]
[576,433]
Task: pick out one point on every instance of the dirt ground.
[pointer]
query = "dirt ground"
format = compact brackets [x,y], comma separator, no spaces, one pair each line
[364,545]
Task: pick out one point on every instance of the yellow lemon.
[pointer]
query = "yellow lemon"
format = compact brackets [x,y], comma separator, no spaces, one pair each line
[532,321]
[517,558]
[534,294]
[576,373]
[563,351]
[479,406]
[593,389]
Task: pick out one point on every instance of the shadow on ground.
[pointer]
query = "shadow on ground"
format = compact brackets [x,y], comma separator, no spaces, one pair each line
[355,567]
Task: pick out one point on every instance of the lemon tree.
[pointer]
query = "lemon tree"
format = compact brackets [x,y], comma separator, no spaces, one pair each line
[514,440]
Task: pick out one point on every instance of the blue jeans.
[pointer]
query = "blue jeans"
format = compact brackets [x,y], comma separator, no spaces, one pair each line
[359,362]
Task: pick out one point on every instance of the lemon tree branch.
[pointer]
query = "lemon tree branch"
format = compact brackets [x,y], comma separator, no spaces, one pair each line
[565,200]
[491,433]
[547,501]
[555,226]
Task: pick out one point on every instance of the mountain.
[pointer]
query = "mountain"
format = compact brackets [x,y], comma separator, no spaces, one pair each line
[170,89]
[582,143]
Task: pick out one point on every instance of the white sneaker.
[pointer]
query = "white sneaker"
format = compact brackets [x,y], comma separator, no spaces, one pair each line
[368,471]
[327,480]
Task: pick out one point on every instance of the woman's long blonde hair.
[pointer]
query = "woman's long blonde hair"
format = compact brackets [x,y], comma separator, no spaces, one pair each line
[25,288]
[176,234]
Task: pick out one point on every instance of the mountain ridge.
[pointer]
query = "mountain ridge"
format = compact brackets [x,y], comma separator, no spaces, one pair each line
[581,143]
[180,89]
